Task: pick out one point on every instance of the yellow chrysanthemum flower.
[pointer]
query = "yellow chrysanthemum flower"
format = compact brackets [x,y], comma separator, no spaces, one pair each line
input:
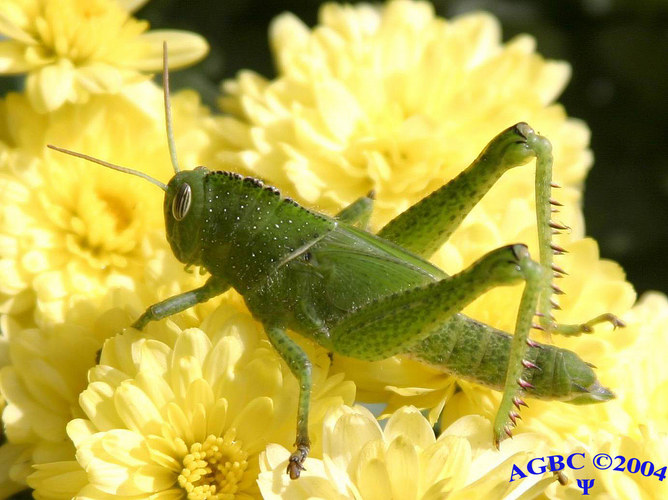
[404,461]
[45,372]
[72,49]
[185,414]
[70,229]
[397,100]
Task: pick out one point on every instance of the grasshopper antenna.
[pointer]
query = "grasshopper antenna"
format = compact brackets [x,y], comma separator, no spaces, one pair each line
[110,165]
[168,110]
[170,135]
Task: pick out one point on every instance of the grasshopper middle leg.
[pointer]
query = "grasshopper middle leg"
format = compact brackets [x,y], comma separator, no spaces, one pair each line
[358,212]
[300,365]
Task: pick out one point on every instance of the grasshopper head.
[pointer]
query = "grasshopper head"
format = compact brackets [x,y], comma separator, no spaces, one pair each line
[184,195]
[184,213]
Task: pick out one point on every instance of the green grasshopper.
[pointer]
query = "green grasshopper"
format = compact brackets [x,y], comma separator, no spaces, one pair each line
[372,296]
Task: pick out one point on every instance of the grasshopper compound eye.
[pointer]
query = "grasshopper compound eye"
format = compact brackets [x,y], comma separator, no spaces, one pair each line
[181,202]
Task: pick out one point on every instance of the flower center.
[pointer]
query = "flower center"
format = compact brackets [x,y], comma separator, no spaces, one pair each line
[102,229]
[214,468]
[118,209]
[96,30]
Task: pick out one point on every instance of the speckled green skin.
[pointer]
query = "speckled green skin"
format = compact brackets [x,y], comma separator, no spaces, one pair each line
[374,296]
[481,355]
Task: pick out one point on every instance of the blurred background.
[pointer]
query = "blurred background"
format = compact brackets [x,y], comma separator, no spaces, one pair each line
[618,51]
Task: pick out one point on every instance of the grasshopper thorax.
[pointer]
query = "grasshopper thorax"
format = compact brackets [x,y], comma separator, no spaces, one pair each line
[184,213]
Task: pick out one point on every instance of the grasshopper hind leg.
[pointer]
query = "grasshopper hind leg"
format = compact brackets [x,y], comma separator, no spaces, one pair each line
[425,226]
[393,324]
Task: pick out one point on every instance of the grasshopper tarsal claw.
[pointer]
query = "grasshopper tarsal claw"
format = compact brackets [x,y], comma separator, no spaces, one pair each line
[296,461]
[610,318]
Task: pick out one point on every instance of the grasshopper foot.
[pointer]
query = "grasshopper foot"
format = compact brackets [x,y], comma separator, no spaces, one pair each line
[610,318]
[296,461]
[587,327]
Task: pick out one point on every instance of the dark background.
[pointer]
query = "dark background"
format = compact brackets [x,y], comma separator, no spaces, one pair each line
[618,51]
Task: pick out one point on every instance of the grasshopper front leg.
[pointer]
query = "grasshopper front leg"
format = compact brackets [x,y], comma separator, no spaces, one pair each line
[214,286]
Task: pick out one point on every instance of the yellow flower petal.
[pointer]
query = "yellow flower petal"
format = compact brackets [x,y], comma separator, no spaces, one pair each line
[51,86]
[10,57]
[183,48]
[80,430]
[402,465]
[97,402]
[222,359]
[374,480]
[191,343]
[217,418]
[97,78]
[137,410]
[251,423]
[62,479]
[411,425]
[10,456]
[11,20]
[154,358]
[117,479]
[121,447]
